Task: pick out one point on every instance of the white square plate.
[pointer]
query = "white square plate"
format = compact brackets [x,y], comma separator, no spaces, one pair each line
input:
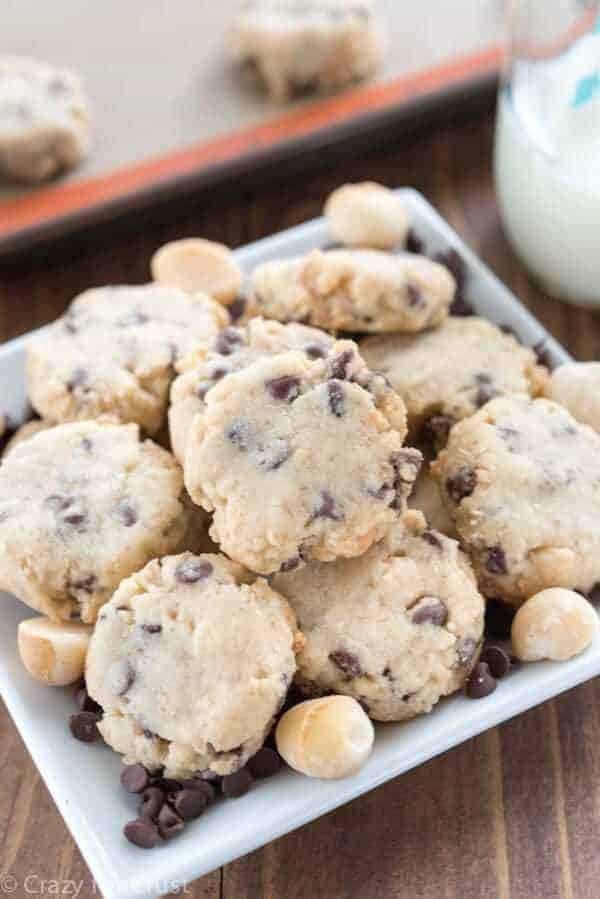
[84,781]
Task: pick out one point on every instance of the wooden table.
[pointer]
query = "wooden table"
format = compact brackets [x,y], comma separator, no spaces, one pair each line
[513,813]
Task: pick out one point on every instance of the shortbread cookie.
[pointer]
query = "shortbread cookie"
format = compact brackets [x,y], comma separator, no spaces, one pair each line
[44,120]
[297,47]
[232,350]
[199,266]
[455,369]
[300,459]
[397,629]
[521,479]
[114,352]
[190,661]
[82,505]
[363,291]
[577,387]
[367,215]
[427,498]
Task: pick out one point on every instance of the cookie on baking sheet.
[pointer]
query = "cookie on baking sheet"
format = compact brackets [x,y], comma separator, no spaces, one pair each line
[82,505]
[300,459]
[521,479]
[115,350]
[363,291]
[297,47]
[190,661]
[44,119]
[397,628]
[232,350]
[450,372]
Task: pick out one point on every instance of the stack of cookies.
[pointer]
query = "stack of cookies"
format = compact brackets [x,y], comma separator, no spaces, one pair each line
[307,488]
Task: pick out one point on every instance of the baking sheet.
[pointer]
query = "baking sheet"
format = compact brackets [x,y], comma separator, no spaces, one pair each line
[165,98]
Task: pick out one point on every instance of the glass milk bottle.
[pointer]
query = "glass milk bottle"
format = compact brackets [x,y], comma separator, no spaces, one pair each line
[547,155]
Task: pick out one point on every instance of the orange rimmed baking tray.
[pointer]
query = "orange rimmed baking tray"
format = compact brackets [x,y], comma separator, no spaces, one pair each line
[171,116]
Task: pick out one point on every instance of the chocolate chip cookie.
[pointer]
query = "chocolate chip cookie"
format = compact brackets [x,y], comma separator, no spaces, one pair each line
[448,373]
[521,479]
[82,505]
[44,120]
[115,351]
[297,47]
[232,350]
[362,291]
[190,661]
[397,629]
[300,459]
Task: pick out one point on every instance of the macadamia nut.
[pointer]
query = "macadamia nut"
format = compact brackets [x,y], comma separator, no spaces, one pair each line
[328,738]
[367,215]
[577,387]
[199,266]
[554,624]
[54,652]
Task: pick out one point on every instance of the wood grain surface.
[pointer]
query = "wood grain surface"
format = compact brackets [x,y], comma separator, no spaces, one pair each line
[512,814]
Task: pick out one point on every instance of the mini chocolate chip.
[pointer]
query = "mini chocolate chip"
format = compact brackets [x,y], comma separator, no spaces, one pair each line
[407,464]
[135,778]
[127,512]
[238,434]
[58,503]
[337,398]
[327,508]
[414,295]
[465,650]
[84,726]
[75,518]
[461,484]
[85,703]
[340,365]
[237,309]
[435,432]
[193,570]
[265,763]
[169,823]
[150,735]
[432,537]
[497,660]
[315,351]
[290,564]
[202,786]
[152,801]
[498,619]
[227,342]
[480,683]
[87,445]
[434,611]
[236,785]
[347,662]
[152,628]
[414,244]
[78,378]
[496,561]
[189,804]
[286,388]
[142,832]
